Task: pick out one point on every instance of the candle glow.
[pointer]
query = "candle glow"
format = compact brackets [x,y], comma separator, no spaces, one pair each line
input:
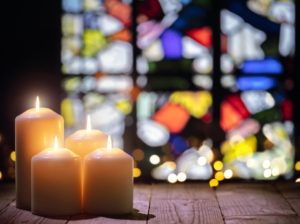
[109,143]
[88,123]
[37,104]
[56,145]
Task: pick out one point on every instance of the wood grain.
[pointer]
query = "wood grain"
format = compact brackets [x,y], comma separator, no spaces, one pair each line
[289,190]
[142,194]
[192,203]
[238,200]
[184,203]
[264,220]
[7,195]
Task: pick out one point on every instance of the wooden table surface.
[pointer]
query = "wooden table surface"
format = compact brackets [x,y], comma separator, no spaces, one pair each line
[232,203]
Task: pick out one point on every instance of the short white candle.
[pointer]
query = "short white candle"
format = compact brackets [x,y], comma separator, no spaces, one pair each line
[108,182]
[35,131]
[56,182]
[84,141]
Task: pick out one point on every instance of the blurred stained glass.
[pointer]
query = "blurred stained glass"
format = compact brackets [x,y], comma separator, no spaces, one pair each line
[97,62]
[168,96]
[256,66]
[174,67]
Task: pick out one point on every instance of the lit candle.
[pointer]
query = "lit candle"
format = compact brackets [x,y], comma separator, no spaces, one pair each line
[56,182]
[108,182]
[84,141]
[35,130]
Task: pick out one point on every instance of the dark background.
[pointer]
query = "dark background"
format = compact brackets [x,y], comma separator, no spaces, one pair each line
[30,61]
[29,58]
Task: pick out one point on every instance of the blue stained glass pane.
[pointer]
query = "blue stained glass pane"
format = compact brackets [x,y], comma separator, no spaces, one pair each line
[256,83]
[90,20]
[260,22]
[266,66]
[190,17]
[172,45]
[179,144]
[72,5]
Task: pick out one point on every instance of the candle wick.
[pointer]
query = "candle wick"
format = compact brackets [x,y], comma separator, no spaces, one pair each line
[88,123]
[37,104]
[109,143]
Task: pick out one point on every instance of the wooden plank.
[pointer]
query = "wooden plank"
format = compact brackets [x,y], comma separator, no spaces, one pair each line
[289,189]
[8,213]
[7,195]
[184,203]
[52,221]
[140,214]
[182,191]
[291,192]
[264,220]
[295,204]
[185,211]
[20,216]
[251,199]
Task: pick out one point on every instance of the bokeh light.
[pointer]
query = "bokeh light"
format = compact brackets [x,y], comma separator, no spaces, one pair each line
[201,161]
[267,173]
[213,183]
[228,174]
[13,156]
[172,178]
[218,165]
[181,177]
[297,166]
[137,172]
[138,154]
[154,159]
[219,176]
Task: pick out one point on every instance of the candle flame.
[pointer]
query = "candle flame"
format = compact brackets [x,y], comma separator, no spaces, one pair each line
[56,145]
[37,104]
[109,143]
[88,123]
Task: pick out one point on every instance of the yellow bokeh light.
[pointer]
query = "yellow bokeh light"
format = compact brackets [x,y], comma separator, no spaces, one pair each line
[154,159]
[13,156]
[297,166]
[136,172]
[213,183]
[297,180]
[219,175]
[218,165]
[1,175]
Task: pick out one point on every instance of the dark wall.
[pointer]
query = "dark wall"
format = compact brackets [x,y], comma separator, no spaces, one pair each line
[29,59]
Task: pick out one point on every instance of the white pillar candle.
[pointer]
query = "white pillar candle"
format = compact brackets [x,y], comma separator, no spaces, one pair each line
[35,130]
[84,141]
[56,182]
[108,182]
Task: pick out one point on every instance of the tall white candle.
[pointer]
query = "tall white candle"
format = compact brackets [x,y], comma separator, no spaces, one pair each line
[108,182]
[56,182]
[84,141]
[35,130]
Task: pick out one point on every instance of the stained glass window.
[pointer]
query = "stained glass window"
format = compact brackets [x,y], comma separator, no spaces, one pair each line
[175,74]
[256,63]
[97,62]
[154,75]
